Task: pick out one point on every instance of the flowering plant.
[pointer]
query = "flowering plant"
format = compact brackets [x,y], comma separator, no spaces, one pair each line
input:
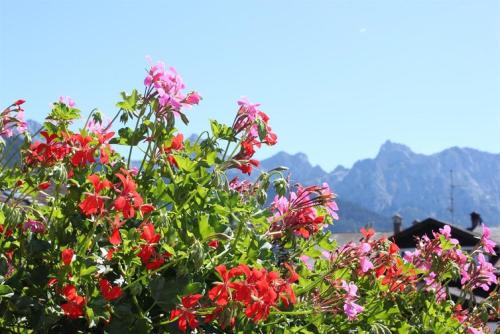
[91,240]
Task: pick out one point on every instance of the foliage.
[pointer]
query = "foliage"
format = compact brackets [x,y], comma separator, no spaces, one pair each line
[90,243]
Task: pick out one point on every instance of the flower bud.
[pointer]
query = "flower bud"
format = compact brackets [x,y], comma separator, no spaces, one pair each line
[60,173]
[197,254]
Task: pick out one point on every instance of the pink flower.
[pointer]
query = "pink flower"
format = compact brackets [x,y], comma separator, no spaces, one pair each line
[430,279]
[168,86]
[308,261]
[192,98]
[248,109]
[487,244]
[365,264]
[351,289]
[446,232]
[480,275]
[67,101]
[364,247]
[331,206]
[352,310]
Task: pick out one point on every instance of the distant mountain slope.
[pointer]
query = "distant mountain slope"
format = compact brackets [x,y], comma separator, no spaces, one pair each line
[417,186]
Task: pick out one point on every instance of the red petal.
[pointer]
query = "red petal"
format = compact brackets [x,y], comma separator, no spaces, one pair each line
[115,238]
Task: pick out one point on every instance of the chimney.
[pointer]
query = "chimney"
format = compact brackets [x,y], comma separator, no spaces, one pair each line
[475,219]
[397,221]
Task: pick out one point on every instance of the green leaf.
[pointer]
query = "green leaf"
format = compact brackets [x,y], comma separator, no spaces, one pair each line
[184,163]
[204,227]
[6,291]
[129,101]
[86,271]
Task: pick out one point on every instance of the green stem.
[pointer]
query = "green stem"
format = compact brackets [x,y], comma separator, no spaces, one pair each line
[238,231]
[132,146]
[88,118]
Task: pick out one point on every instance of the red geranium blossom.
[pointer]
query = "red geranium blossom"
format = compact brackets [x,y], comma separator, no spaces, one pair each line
[44,185]
[48,153]
[186,314]
[129,199]
[177,144]
[115,238]
[73,308]
[148,254]
[94,202]
[84,153]
[67,256]
[108,291]
[259,291]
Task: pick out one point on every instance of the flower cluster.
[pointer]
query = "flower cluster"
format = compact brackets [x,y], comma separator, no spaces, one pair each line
[351,309]
[299,214]
[148,254]
[73,307]
[254,290]
[82,149]
[12,120]
[435,255]
[254,124]
[169,86]
[176,144]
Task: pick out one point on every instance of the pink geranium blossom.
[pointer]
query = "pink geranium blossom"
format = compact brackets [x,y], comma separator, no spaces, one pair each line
[487,244]
[351,309]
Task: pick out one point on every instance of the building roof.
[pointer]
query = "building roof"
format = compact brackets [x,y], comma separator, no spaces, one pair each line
[406,238]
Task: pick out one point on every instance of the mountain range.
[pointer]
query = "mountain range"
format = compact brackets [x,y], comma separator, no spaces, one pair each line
[400,181]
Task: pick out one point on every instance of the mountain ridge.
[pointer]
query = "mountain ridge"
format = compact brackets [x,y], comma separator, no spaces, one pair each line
[415,185]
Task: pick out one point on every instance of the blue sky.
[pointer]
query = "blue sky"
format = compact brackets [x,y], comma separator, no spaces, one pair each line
[337,78]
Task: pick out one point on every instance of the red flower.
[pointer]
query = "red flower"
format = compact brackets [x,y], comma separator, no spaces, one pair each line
[177,144]
[19,102]
[157,262]
[74,307]
[258,291]
[186,314]
[148,254]
[115,238]
[94,202]
[367,233]
[393,248]
[213,243]
[148,234]
[67,256]
[72,310]
[44,185]
[84,153]
[108,291]
[147,208]
[52,281]
[109,254]
[48,153]
[105,148]
[220,292]
[129,199]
